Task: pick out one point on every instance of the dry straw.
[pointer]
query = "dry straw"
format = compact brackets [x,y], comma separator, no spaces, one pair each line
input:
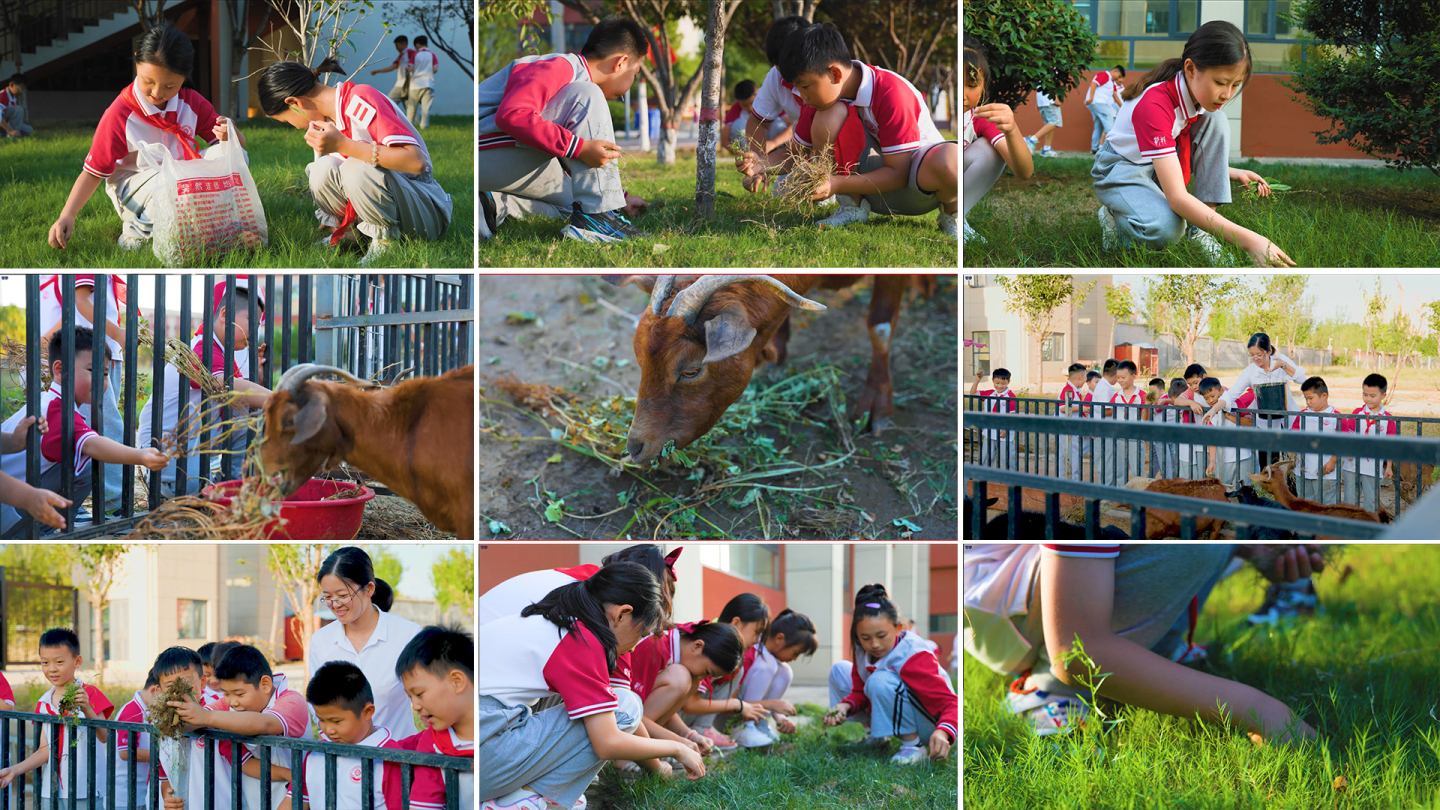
[807,173]
[164,717]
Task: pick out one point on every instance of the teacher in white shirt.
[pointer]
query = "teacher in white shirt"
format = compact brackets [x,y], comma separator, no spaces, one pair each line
[364,634]
[1266,366]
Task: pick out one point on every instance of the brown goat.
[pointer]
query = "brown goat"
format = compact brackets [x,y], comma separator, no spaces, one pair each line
[416,438]
[1405,481]
[1277,485]
[697,356]
[1161,523]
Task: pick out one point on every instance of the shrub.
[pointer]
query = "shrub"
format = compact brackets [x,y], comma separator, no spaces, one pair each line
[1031,43]
[1377,80]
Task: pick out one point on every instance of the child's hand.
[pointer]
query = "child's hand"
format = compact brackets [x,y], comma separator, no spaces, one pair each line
[749,164]
[634,206]
[174,803]
[782,707]
[998,114]
[837,714]
[939,745]
[1298,562]
[7,775]
[704,743]
[324,137]
[82,702]
[785,725]
[597,152]
[1265,254]
[61,232]
[1330,466]
[754,183]
[753,711]
[42,503]
[1246,177]
[190,712]
[152,459]
[222,129]
[662,769]
[825,190]
[1004,434]
[691,761]
[1210,470]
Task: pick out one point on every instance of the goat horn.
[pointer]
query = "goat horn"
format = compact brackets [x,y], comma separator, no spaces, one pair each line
[689,301]
[660,291]
[296,376]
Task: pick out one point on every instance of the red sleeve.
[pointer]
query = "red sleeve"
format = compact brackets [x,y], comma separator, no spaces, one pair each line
[410,57]
[1392,428]
[8,695]
[897,117]
[922,674]
[577,672]
[1295,423]
[109,146]
[99,702]
[802,127]
[733,114]
[386,126]
[857,699]
[530,86]
[1347,425]
[50,446]
[986,129]
[414,742]
[1101,79]
[1154,120]
[205,117]
[130,713]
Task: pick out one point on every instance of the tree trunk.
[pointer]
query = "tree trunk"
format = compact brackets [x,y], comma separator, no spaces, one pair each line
[97,640]
[277,621]
[705,153]
[665,148]
[644,118]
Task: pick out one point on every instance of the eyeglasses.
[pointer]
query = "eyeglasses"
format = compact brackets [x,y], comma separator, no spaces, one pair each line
[337,601]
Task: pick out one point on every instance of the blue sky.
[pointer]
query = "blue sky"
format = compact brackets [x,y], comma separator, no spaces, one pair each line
[1336,293]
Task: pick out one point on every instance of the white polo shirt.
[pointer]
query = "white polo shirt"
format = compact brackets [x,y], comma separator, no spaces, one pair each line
[519,592]
[1326,421]
[377,660]
[1154,123]
[775,98]
[122,131]
[50,310]
[132,712]
[422,67]
[78,736]
[541,660]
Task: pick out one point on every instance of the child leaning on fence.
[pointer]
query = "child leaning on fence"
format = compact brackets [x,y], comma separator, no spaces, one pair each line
[134,712]
[87,445]
[438,670]
[997,447]
[345,707]
[59,658]
[1070,398]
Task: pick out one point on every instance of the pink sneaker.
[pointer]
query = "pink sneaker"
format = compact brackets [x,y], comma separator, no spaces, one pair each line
[721,741]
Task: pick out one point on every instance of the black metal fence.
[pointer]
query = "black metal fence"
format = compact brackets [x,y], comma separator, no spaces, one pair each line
[1046,431]
[373,325]
[14,796]
[1041,452]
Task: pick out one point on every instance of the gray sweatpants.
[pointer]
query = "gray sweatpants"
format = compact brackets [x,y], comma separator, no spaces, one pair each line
[1154,584]
[1133,194]
[982,167]
[1361,489]
[557,182]
[545,750]
[1315,489]
[14,117]
[389,204]
[910,200]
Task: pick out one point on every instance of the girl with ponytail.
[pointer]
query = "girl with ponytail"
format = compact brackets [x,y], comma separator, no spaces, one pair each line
[896,686]
[748,614]
[372,170]
[566,645]
[1171,126]
[991,140]
[767,674]
[155,108]
[668,669]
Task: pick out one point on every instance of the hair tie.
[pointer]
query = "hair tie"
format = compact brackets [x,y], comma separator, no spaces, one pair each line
[872,605]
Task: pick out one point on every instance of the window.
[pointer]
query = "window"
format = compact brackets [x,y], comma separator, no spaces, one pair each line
[115,630]
[1053,349]
[757,562]
[191,622]
[1271,19]
[943,623]
[1149,53]
[1275,57]
[1142,18]
[980,353]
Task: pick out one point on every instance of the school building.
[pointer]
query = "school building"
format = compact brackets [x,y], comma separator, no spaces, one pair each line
[78,54]
[1078,334]
[1265,121]
[816,579]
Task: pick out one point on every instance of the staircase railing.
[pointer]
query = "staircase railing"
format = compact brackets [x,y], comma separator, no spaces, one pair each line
[28,25]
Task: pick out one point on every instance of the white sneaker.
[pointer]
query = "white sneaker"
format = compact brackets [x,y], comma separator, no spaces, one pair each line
[1049,152]
[1030,141]
[1211,246]
[1048,714]
[127,242]
[751,736]
[946,223]
[767,727]
[378,248]
[521,799]
[1110,237]
[910,754]
[849,213]
[972,236]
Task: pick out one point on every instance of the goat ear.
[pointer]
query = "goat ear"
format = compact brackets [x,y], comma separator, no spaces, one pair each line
[309,420]
[728,334]
[646,283]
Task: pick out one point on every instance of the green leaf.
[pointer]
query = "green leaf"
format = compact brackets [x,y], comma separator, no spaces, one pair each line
[905,524]
[553,511]
[555,459]
[497,528]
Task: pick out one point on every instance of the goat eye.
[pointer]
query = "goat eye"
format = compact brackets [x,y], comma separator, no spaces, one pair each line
[690,373]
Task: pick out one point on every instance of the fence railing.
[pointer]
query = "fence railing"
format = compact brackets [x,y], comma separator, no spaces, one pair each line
[375,326]
[450,767]
[1039,451]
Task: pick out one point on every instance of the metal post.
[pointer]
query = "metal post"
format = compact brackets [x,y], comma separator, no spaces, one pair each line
[265,378]
[207,359]
[182,390]
[285,324]
[307,316]
[227,460]
[431,355]
[157,382]
[67,399]
[362,349]
[32,393]
[324,309]
[132,365]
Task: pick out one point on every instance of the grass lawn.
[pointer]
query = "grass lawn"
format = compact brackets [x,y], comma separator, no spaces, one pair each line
[1334,217]
[814,769]
[748,231]
[36,174]
[1362,674]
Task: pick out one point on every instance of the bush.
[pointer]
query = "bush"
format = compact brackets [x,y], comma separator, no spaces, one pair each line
[1377,80]
[1031,43]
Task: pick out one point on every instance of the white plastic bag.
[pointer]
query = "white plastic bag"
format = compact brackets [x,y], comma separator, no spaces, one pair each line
[203,207]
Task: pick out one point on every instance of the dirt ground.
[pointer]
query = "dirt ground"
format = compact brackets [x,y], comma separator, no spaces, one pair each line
[576,341]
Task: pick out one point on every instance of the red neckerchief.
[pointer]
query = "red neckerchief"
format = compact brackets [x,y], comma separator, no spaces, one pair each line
[1371,423]
[346,220]
[447,746]
[160,121]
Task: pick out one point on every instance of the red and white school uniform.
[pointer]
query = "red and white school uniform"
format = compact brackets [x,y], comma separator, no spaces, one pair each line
[1071,399]
[1326,421]
[423,65]
[129,124]
[51,311]
[1128,447]
[7,695]
[906,691]
[651,656]
[447,742]
[192,750]
[512,104]
[427,790]
[1370,427]
[350,191]
[401,66]
[290,708]
[776,99]
[51,450]
[73,743]
[132,712]
[1156,124]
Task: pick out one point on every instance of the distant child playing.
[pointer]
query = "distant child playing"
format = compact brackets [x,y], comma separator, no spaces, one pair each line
[1052,120]
[1103,101]
[401,66]
[12,112]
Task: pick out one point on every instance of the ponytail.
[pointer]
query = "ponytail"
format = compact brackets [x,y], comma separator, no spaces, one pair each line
[624,583]
[797,629]
[653,558]
[872,600]
[747,607]
[1214,44]
[722,643]
[282,80]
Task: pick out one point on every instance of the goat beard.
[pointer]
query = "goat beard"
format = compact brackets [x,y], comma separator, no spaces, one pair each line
[1265,556]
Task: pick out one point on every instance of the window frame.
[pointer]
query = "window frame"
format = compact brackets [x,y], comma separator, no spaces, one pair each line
[1090,9]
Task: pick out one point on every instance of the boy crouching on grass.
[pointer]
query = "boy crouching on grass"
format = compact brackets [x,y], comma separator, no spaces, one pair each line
[345,706]
[438,671]
[87,445]
[59,658]
[891,157]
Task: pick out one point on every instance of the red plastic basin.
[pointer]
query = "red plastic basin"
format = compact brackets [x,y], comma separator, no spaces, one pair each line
[305,515]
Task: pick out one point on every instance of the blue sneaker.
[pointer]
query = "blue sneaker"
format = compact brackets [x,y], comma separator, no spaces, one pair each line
[1048,714]
[1030,142]
[1285,601]
[604,227]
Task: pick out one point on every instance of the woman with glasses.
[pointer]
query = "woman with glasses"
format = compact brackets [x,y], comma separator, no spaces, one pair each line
[364,634]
